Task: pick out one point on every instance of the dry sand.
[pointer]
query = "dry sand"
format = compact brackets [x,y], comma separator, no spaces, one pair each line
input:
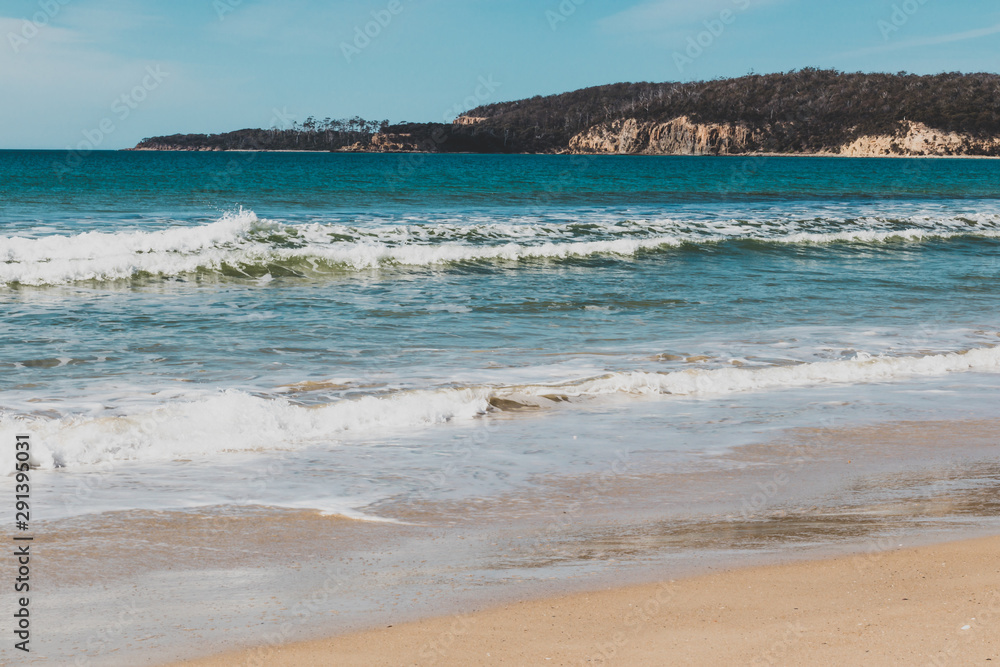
[936,605]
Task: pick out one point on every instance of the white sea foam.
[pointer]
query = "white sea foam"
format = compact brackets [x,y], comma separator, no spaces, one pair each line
[231,421]
[60,259]
[697,382]
[243,243]
[236,421]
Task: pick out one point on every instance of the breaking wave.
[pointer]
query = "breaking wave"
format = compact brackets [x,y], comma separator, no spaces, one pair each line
[237,421]
[242,245]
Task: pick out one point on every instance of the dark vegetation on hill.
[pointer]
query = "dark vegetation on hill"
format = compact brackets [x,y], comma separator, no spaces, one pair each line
[802,111]
[312,135]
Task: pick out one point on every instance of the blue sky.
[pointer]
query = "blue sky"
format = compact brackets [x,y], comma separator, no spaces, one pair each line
[116,71]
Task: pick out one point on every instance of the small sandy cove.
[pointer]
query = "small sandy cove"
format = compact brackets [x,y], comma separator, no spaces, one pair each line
[936,605]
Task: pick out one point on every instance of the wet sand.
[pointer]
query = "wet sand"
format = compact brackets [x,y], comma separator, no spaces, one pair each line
[935,605]
[149,588]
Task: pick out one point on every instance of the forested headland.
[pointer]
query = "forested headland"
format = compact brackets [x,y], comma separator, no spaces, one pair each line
[804,111]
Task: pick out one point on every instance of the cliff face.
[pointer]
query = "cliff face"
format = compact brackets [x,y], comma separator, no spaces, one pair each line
[386,143]
[468,120]
[679,136]
[918,139]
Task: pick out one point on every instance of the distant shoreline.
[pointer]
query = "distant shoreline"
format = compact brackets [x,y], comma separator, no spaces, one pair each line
[567,153]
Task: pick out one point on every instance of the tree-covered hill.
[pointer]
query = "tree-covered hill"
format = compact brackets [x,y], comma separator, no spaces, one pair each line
[802,111]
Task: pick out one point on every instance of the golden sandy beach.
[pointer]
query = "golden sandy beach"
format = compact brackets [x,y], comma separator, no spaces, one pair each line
[936,605]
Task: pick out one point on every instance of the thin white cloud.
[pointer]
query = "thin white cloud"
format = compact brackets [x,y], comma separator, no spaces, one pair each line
[109,17]
[658,15]
[267,22]
[925,41]
[296,27]
[61,83]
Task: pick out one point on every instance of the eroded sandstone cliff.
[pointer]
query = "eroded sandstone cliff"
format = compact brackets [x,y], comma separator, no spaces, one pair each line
[679,136]
[682,136]
[918,139]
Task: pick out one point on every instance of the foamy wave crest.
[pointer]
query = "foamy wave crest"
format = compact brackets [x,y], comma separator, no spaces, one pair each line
[696,382]
[59,259]
[241,245]
[231,421]
[236,421]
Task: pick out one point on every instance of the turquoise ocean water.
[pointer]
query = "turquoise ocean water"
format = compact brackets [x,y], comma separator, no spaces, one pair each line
[332,331]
